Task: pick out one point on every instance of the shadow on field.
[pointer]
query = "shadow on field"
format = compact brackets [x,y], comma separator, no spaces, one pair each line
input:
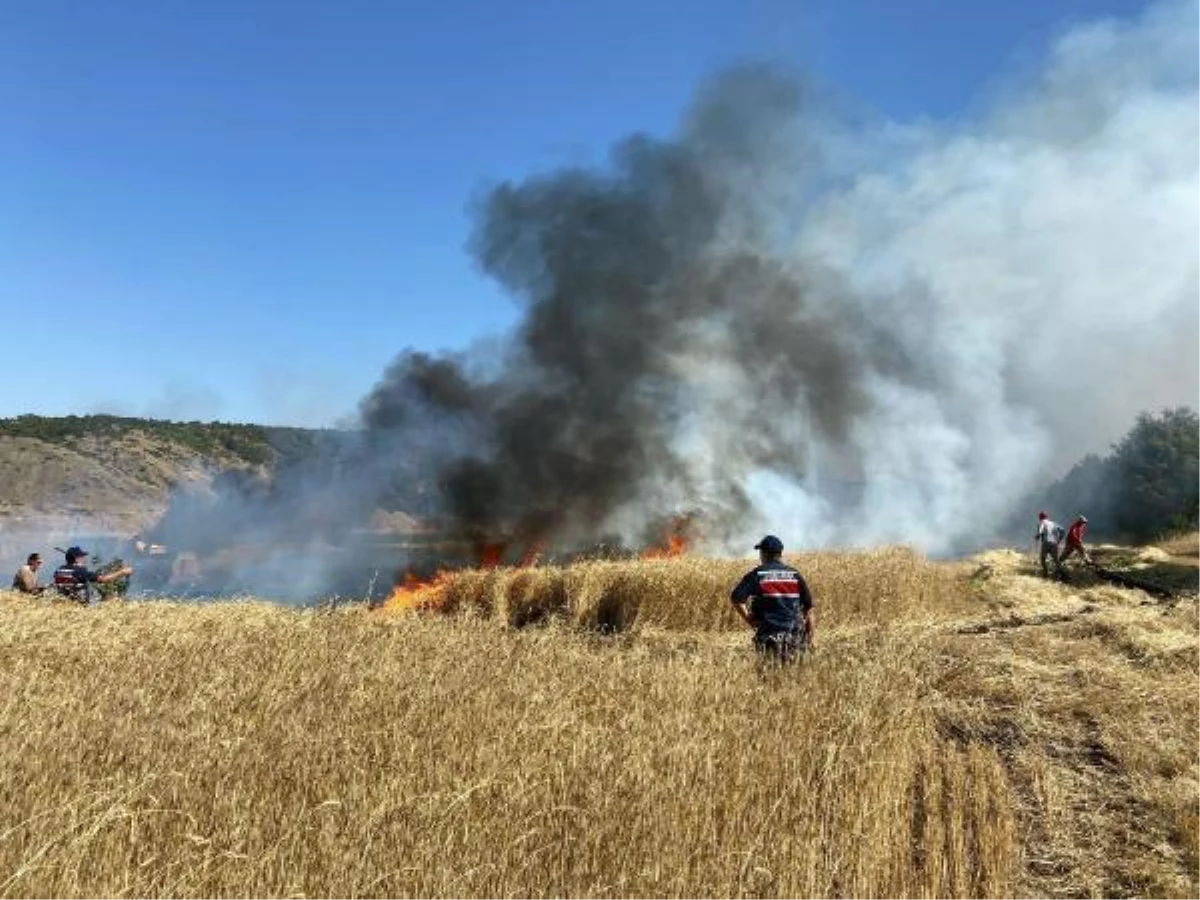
[1168,577]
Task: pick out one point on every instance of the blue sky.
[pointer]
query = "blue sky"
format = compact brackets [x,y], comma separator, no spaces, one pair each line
[245,210]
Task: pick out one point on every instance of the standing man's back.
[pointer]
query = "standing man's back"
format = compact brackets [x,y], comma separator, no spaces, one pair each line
[774,600]
[1048,536]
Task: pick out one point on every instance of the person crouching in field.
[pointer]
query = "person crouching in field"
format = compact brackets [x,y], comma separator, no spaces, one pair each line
[26,580]
[1074,541]
[74,580]
[774,600]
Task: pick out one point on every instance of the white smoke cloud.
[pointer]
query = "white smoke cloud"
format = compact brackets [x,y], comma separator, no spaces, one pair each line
[1038,267]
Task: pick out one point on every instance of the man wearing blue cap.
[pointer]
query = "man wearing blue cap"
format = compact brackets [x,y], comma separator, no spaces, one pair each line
[774,600]
[74,580]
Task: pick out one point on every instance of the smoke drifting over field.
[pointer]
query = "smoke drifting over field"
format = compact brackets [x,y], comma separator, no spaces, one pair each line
[848,334]
[632,276]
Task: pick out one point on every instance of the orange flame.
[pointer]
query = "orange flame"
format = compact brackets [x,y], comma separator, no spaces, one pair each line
[675,545]
[533,553]
[676,541]
[491,555]
[415,593]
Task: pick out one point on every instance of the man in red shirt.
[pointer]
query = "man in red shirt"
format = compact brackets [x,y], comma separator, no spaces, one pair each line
[1074,541]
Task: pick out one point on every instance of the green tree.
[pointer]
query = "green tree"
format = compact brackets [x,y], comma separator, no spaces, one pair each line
[1157,474]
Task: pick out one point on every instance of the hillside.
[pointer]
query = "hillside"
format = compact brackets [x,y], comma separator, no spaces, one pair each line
[961,730]
[77,474]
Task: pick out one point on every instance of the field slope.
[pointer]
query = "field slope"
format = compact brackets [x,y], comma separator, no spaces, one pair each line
[961,730]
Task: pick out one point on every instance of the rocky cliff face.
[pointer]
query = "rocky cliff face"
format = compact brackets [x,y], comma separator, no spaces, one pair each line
[97,483]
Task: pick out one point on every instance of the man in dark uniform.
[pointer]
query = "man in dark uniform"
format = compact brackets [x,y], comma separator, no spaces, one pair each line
[774,600]
[74,580]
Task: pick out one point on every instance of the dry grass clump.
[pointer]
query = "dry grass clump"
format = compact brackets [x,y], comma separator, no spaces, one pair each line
[692,593]
[1182,544]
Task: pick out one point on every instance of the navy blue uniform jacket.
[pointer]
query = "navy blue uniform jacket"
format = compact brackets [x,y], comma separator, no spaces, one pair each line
[777,594]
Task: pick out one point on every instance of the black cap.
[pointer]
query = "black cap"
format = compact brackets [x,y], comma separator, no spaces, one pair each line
[73,553]
[770,544]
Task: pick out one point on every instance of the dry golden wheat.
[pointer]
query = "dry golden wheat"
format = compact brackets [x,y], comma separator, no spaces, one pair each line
[936,744]
[691,593]
[1182,544]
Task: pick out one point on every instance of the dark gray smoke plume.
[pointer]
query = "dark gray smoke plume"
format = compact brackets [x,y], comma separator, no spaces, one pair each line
[625,274]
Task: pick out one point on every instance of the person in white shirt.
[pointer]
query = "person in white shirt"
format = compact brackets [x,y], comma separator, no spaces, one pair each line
[1048,538]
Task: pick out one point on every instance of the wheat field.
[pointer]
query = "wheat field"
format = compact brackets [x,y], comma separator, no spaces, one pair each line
[603,730]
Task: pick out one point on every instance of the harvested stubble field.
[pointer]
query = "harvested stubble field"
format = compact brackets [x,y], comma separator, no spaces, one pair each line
[961,730]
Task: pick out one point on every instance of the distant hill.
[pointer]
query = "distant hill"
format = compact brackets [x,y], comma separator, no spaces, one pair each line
[114,474]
